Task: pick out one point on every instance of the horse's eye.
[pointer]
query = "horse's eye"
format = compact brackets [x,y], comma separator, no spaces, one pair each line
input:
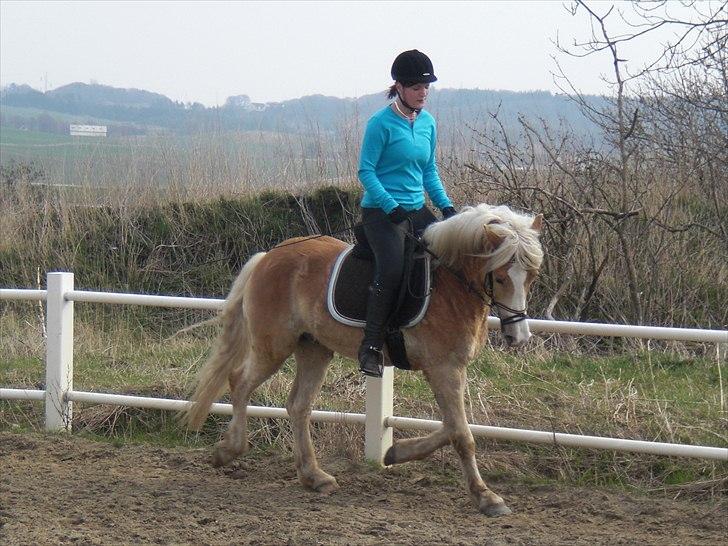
[499,280]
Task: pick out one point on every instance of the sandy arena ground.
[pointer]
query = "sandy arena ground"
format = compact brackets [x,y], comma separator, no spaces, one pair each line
[60,490]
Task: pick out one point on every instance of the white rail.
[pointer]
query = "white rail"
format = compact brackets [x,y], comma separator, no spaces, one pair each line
[22,394]
[624,330]
[143,299]
[15,294]
[571,440]
[379,420]
[222,409]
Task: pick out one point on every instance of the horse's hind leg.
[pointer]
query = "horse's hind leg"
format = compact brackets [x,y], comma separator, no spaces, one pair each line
[243,381]
[448,385]
[312,359]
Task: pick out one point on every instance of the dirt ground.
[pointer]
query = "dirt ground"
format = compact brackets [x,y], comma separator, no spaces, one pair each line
[56,489]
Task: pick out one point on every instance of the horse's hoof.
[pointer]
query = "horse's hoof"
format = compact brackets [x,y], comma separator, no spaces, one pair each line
[327,487]
[319,481]
[496,510]
[222,457]
[389,458]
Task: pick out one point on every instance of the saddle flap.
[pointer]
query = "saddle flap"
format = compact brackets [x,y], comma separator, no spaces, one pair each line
[348,290]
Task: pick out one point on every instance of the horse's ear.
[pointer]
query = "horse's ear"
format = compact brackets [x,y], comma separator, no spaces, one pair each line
[537,223]
[493,239]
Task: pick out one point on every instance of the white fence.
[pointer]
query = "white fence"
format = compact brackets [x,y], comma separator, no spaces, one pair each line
[379,420]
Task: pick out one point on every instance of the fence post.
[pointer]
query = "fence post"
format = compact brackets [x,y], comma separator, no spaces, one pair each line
[59,352]
[378,436]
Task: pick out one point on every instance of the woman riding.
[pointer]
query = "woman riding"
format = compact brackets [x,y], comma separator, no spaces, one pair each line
[396,167]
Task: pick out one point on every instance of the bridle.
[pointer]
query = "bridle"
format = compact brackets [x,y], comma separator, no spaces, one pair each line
[487,296]
[516,314]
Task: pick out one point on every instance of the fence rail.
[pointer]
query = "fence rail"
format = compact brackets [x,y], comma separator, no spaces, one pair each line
[378,420]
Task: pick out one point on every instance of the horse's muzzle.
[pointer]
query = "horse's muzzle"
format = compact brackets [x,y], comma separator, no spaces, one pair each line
[516,335]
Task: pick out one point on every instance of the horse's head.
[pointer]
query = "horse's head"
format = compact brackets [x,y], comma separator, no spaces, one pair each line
[507,246]
[507,284]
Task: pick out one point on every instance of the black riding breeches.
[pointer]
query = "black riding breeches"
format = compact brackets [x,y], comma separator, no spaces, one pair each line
[387,239]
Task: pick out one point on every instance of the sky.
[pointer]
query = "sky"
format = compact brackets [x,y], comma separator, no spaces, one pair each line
[272,51]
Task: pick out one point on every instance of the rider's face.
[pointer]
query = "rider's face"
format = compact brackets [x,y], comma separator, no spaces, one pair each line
[415,95]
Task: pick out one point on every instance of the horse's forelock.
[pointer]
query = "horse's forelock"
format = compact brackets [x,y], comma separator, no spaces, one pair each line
[464,235]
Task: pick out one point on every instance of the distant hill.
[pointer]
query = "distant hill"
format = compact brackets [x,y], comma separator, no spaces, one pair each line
[135,111]
[89,94]
[128,111]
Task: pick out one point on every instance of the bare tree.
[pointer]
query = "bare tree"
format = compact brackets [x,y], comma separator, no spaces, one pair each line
[610,203]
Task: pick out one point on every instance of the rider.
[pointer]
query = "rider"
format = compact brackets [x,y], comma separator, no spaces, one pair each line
[397,165]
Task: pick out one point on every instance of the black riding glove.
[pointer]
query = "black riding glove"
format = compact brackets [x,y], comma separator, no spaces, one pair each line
[397,215]
[447,212]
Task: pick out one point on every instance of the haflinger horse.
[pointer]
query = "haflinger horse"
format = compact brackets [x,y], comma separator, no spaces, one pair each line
[487,256]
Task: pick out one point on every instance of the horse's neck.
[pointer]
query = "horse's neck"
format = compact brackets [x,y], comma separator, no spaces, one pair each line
[457,306]
[463,287]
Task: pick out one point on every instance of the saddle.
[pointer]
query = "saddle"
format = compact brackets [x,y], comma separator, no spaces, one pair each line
[348,290]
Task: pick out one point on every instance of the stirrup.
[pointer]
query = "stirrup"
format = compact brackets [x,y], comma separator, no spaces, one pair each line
[371,362]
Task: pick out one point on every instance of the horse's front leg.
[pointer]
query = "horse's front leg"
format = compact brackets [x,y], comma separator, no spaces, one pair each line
[413,449]
[448,385]
[312,359]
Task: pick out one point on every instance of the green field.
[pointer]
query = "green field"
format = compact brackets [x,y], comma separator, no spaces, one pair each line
[53,150]
[228,158]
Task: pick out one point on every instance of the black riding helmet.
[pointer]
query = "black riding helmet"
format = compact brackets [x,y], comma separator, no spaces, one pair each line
[413,67]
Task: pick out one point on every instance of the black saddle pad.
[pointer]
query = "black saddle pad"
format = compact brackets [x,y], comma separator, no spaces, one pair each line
[349,289]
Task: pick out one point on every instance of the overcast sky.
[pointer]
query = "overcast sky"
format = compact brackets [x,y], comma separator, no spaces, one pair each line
[271,51]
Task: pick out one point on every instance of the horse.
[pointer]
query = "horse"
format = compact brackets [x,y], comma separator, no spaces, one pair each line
[487,256]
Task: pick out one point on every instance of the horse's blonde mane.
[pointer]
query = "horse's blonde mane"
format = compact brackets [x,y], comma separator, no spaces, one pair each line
[464,235]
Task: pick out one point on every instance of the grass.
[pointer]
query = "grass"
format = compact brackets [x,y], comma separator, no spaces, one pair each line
[12,137]
[659,395]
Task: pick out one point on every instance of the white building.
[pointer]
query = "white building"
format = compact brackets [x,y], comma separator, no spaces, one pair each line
[88,130]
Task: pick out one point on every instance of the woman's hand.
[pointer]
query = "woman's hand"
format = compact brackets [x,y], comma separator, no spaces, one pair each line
[447,212]
[397,215]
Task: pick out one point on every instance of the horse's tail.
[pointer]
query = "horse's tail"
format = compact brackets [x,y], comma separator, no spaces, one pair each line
[231,347]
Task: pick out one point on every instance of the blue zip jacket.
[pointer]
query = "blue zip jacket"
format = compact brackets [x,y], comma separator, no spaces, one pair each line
[398,162]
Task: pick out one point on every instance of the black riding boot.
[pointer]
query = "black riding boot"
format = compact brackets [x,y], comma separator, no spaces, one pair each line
[379,306]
